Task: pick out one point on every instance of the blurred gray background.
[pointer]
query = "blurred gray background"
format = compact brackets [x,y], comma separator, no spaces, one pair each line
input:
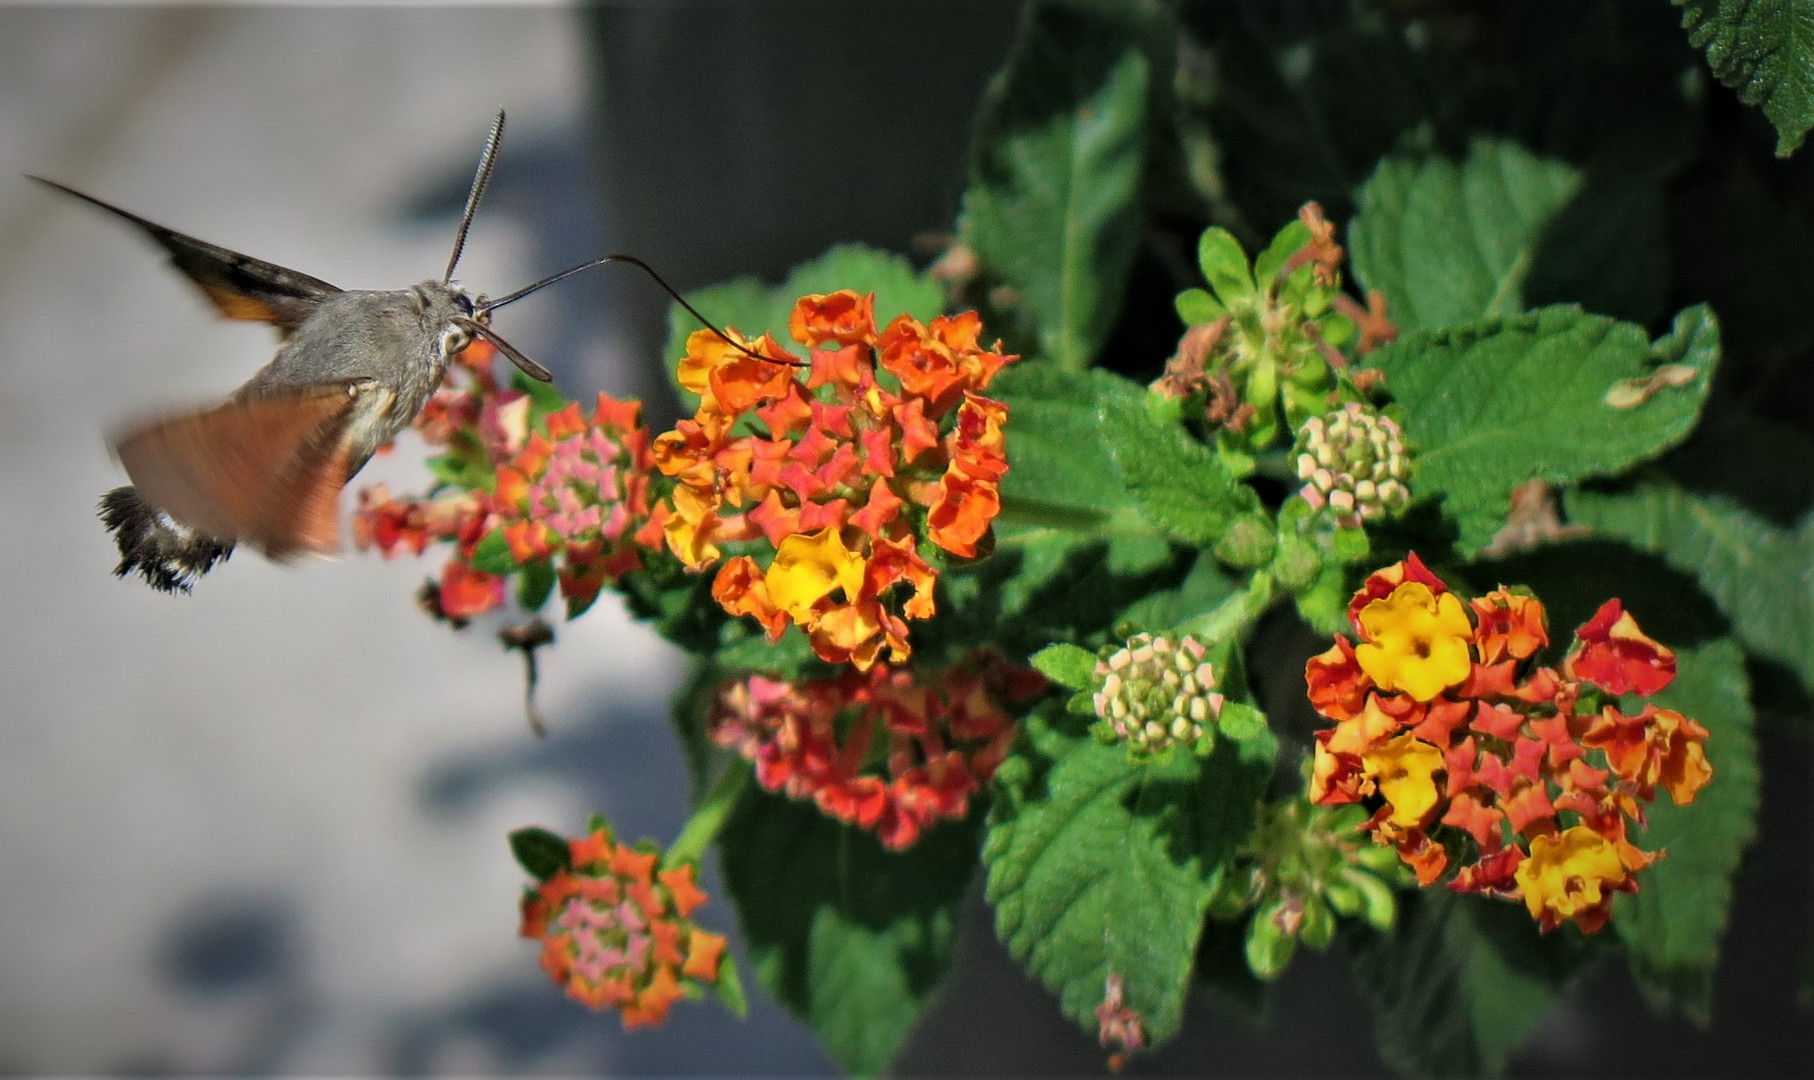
[260,829]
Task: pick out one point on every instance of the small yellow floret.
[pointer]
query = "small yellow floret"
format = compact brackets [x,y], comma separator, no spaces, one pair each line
[1417,642]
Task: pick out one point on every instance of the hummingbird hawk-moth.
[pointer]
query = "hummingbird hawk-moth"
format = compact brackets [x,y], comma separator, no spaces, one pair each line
[266,466]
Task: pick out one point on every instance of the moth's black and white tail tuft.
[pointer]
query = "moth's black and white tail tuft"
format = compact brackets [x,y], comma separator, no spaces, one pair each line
[169,555]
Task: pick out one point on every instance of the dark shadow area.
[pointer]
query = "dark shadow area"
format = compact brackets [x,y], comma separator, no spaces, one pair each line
[741,139]
[238,952]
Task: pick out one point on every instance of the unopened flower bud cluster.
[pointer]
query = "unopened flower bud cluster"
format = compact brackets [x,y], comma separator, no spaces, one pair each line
[1157,692]
[1354,462]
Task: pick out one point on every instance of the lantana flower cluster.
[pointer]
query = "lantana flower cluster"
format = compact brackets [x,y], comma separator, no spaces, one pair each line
[567,490]
[616,931]
[879,748]
[837,479]
[1503,776]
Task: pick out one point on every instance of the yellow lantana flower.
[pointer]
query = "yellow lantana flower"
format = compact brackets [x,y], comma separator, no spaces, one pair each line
[1417,641]
[1405,770]
[690,530]
[1569,876]
[807,567]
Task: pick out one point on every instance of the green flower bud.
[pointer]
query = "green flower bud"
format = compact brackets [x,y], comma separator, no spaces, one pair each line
[1306,866]
[1354,462]
[1156,692]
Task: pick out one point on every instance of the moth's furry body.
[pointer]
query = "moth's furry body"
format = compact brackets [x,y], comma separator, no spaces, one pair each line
[391,348]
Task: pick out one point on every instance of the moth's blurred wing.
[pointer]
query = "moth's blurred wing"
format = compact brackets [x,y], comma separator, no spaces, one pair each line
[239,286]
[265,470]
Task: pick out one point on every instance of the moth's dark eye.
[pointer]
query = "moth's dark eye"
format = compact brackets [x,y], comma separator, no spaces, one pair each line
[464,303]
[454,341]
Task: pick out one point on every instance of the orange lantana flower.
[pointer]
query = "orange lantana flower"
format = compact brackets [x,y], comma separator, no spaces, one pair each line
[829,485]
[616,931]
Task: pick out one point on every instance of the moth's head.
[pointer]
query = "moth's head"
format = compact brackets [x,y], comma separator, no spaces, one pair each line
[456,317]
[449,314]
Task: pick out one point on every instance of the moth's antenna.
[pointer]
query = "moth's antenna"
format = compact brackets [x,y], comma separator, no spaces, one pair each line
[487,159]
[492,305]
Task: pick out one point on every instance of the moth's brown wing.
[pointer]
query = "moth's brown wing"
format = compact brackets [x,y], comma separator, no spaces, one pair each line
[239,286]
[266,470]
[302,512]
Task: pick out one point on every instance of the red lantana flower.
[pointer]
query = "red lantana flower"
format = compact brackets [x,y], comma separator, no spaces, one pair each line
[836,479]
[616,930]
[878,748]
[1491,771]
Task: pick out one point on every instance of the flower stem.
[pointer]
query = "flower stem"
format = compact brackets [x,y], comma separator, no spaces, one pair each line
[714,810]
[1227,619]
[1033,513]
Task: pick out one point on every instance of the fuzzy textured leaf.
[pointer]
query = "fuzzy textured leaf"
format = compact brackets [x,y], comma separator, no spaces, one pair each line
[1180,484]
[1099,867]
[1052,204]
[1056,452]
[1671,927]
[1452,244]
[1071,550]
[1764,49]
[851,938]
[1066,665]
[1484,405]
[1761,576]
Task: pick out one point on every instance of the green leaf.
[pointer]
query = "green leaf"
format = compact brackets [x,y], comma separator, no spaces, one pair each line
[460,470]
[1492,405]
[492,555]
[1764,49]
[1672,925]
[1066,665]
[729,987]
[1241,722]
[1224,265]
[1055,172]
[1450,244]
[1180,485]
[1460,982]
[535,584]
[1071,551]
[849,937]
[1047,585]
[1056,452]
[1096,867]
[1762,577]
[542,853]
[1724,457]
[1197,306]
